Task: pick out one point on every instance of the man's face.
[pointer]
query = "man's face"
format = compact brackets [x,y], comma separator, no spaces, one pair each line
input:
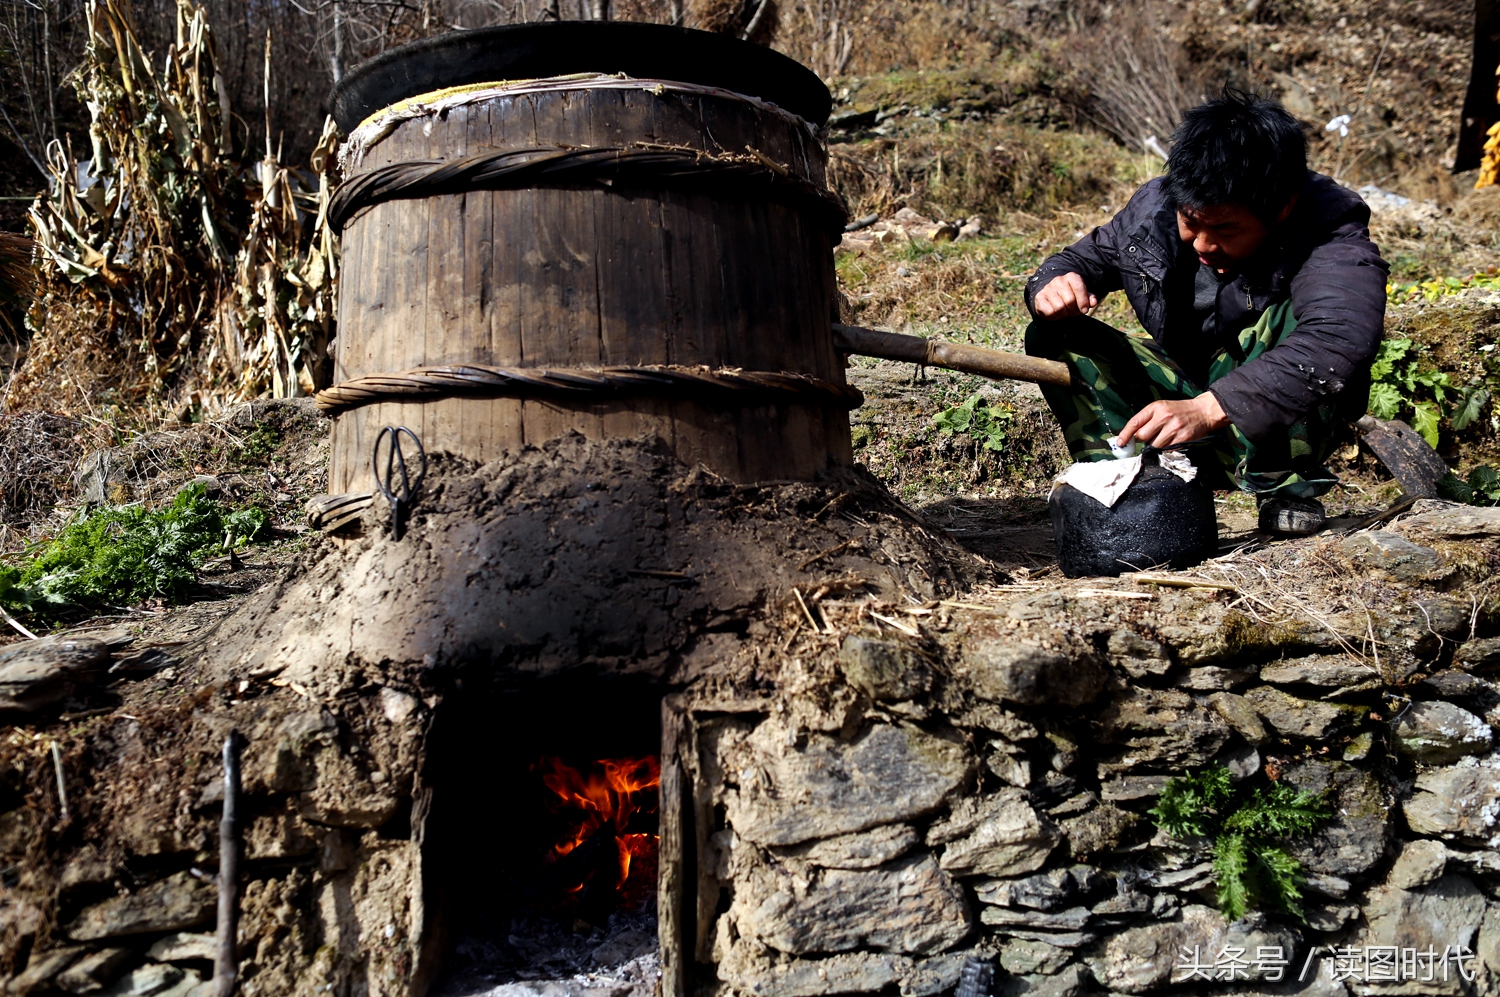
[1222,235]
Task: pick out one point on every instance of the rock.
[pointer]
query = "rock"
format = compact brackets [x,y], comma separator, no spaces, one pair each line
[936,975]
[1020,956]
[1138,656]
[1006,918]
[995,835]
[1437,732]
[1241,715]
[882,669]
[908,906]
[1061,939]
[1326,671]
[998,720]
[864,850]
[1242,761]
[1455,684]
[42,967]
[171,904]
[152,980]
[1002,669]
[1187,878]
[1395,556]
[1293,717]
[1140,959]
[1329,886]
[1147,958]
[1075,804]
[1459,801]
[1122,908]
[97,970]
[1214,678]
[1479,655]
[1358,748]
[1070,982]
[1327,917]
[1163,728]
[1458,521]
[1354,839]
[1232,638]
[1447,911]
[36,674]
[1012,768]
[1421,862]
[1099,830]
[183,947]
[851,973]
[1043,891]
[1135,787]
[830,787]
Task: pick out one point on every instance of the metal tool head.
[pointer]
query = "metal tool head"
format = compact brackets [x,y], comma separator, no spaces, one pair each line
[393,477]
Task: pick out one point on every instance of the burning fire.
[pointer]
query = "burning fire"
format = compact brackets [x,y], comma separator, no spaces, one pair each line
[601,802]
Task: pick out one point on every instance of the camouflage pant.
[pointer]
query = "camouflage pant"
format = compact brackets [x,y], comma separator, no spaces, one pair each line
[1115,376]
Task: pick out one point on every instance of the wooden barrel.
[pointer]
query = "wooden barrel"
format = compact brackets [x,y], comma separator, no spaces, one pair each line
[528,253]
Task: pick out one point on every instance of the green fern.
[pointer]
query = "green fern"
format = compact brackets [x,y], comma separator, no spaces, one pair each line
[128,554]
[1251,870]
[1189,805]
[1231,866]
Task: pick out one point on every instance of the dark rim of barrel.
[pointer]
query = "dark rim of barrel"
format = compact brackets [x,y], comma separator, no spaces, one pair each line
[556,48]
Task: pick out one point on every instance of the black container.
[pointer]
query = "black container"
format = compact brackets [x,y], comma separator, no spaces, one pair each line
[525,51]
[1160,521]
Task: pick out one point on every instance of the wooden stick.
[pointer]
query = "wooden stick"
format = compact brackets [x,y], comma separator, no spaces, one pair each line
[16,624]
[1184,583]
[226,961]
[672,885]
[62,788]
[952,356]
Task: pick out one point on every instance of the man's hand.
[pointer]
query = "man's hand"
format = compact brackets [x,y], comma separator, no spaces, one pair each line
[1166,424]
[1064,296]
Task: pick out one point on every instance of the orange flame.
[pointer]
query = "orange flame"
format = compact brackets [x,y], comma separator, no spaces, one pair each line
[608,795]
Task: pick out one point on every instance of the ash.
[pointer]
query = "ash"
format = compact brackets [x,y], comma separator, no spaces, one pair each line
[540,957]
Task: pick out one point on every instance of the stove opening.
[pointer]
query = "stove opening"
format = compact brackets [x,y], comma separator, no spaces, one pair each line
[541,843]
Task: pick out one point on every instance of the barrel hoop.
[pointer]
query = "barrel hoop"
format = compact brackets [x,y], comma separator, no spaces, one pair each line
[439,102]
[724,384]
[557,166]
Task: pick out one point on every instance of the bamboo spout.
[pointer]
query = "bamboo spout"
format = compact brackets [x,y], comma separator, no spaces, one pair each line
[969,359]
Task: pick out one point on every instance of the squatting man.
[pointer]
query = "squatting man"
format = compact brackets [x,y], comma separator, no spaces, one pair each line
[1264,299]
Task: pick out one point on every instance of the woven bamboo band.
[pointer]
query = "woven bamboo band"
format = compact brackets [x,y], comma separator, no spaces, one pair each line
[638,166]
[439,102]
[725,385]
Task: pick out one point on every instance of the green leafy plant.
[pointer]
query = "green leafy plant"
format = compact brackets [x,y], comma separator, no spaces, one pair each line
[1439,287]
[984,424]
[128,554]
[1399,384]
[1482,487]
[1248,829]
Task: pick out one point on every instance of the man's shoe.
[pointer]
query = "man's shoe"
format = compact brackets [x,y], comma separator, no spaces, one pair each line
[1292,517]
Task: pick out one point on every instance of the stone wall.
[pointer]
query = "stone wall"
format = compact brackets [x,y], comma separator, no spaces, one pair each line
[880,759]
[983,789]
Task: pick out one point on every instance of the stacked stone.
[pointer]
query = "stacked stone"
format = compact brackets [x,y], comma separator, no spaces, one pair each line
[990,799]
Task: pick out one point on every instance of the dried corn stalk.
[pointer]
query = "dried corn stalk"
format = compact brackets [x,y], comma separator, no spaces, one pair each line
[179,280]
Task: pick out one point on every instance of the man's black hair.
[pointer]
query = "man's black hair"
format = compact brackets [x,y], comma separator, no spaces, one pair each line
[1237,149]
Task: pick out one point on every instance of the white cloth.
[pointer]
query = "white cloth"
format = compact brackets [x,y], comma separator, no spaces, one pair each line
[1177,462]
[1102,480]
[1105,481]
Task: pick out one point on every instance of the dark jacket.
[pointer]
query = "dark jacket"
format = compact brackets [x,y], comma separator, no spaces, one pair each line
[1321,257]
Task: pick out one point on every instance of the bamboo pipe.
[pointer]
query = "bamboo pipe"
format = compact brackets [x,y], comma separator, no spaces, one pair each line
[969,359]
